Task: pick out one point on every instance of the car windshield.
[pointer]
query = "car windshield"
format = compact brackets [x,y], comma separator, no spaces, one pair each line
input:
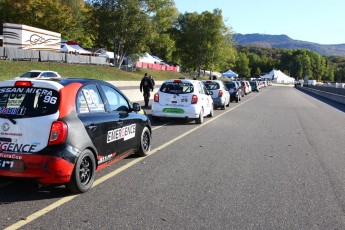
[211,85]
[30,75]
[16,102]
[177,87]
[230,85]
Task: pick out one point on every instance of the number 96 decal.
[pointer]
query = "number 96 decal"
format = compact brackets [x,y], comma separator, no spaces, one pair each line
[50,100]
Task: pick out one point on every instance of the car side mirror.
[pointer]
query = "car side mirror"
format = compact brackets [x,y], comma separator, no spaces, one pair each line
[136,107]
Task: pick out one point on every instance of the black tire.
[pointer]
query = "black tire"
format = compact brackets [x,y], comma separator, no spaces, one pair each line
[155,118]
[145,143]
[200,119]
[237,99]
[211,112]
[228,103]
[83,174]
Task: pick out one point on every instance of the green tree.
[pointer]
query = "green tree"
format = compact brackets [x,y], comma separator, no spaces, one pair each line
[203,41]
[68,17]
[126,26]
[242,65]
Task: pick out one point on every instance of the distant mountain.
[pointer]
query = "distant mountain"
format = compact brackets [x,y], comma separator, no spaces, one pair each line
[283,41]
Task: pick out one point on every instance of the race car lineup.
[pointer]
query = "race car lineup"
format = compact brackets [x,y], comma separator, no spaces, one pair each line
[81,125]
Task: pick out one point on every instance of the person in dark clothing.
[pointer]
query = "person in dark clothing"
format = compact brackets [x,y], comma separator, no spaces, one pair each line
[153,82]
[146,86]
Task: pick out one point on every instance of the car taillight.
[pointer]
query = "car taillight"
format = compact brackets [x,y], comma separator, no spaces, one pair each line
[220,93]
[194,99]
[156,97]
[58,133]
[23,84]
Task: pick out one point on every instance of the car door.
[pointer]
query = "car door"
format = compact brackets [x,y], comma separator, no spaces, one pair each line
[206,100]
[99,124]
[129,125]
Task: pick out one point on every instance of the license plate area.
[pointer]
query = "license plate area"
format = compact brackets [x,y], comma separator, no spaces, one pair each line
[11,165]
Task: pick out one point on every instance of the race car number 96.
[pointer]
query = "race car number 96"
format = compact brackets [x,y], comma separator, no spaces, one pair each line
[50,100]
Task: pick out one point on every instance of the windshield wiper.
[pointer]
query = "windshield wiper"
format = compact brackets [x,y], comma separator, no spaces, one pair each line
[9,118]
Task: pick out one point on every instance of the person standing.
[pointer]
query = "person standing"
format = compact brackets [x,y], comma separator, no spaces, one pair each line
[153,82]
[146,85]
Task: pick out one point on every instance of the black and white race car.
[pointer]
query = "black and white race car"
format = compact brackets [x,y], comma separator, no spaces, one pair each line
[61,131]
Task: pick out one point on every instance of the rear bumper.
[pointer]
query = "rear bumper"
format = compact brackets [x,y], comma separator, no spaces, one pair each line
[43,169]
[219,101]
[168,111]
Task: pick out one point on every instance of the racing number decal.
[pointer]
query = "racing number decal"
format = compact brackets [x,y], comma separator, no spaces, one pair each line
[90,96]
[50,100]
[93,100]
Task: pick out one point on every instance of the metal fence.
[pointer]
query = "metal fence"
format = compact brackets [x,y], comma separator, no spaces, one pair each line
[7,53]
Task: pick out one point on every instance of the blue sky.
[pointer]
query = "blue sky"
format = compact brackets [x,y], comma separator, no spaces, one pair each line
[319,21]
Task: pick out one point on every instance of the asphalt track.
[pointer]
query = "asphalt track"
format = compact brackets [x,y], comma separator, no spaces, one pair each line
[275,160]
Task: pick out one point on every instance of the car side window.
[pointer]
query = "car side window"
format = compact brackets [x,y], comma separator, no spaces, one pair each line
[89,100]
[44,75]
[115,100]
[51,74]
[204,89]
[198,88]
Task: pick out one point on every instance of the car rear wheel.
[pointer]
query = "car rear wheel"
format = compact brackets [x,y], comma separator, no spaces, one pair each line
[83,173]
[145,143]
[211,112]
[155,118]
[200,119]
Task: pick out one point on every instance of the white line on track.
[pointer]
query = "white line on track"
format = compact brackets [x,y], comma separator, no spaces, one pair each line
[64,200]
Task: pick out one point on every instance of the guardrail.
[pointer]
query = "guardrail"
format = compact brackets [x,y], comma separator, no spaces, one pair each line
[334,94]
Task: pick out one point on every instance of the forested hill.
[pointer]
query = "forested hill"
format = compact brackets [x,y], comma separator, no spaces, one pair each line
[283,41]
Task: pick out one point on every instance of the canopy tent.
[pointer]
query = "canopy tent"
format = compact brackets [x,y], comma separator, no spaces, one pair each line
[229,73]
[106,54]
[278,77]
[147,58]
[73,47]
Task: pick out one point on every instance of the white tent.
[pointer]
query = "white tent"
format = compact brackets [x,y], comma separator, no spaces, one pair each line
[73,48]
[147,58]
[278,77]
[229,73]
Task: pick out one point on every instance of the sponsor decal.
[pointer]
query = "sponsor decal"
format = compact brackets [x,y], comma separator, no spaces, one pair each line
[5,126]
[11,134]
[173,110]
[15,147]
[13,111]
[124,133]
[106,158]
[13,165]
[6,163]
[10,156]
[27,90]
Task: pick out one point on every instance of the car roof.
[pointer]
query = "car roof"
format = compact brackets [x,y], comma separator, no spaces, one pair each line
[182,80]
[67,81]
[36,70]
[63,81]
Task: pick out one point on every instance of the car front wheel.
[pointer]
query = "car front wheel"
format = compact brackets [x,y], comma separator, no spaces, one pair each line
[83,173]
[145,143]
